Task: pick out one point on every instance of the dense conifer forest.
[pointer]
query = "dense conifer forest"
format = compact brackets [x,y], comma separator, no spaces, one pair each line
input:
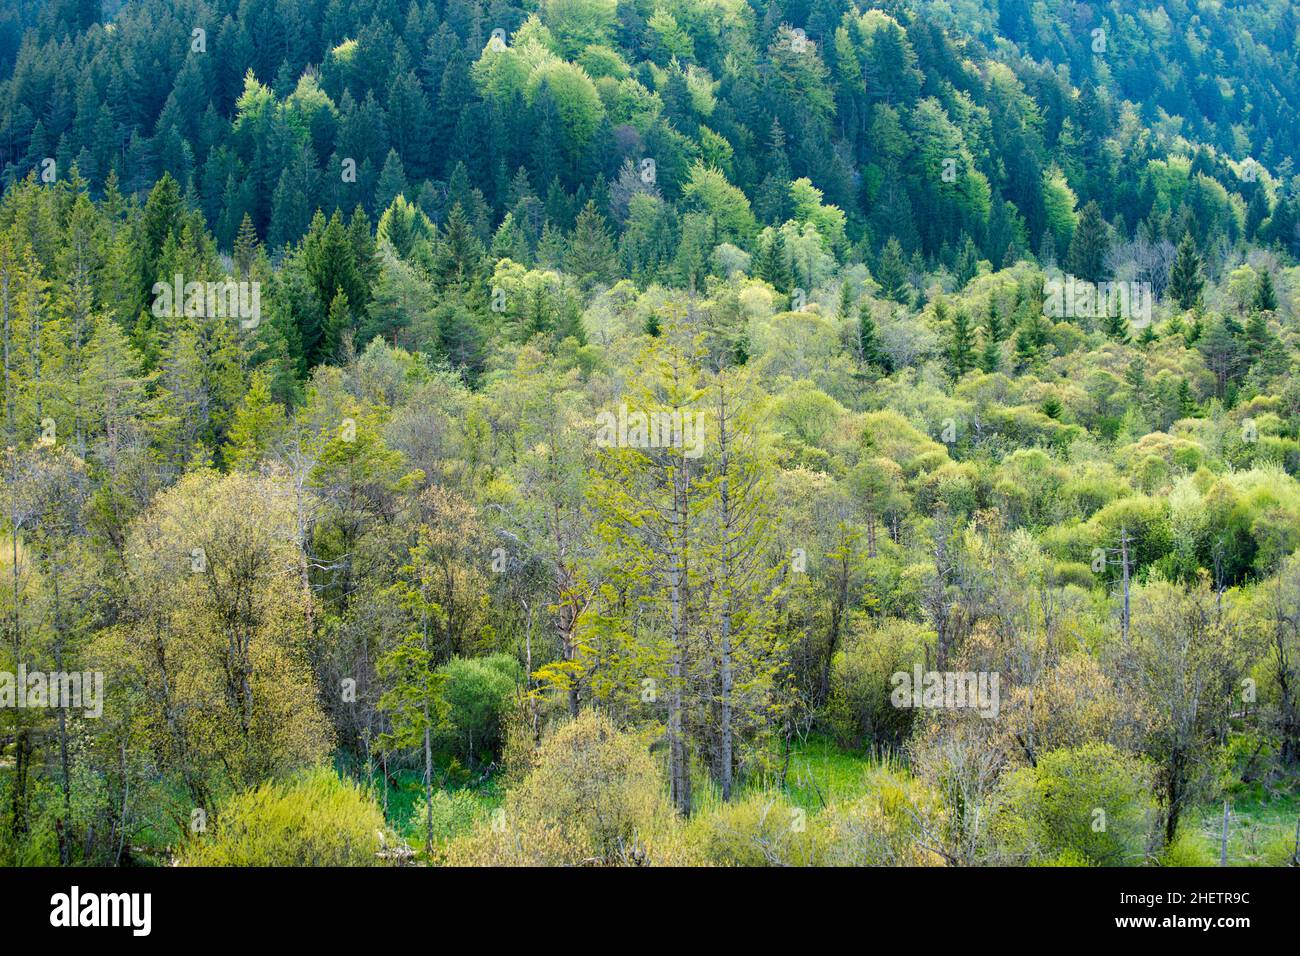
[649,432]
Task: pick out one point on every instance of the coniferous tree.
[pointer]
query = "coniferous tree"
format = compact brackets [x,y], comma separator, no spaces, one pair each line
[967,263]
[338,324]
[392,181]
[246,246]
[458,252]
[961,342]
[1265,299]
[772,262]
[869,341]
[591,251]
[990,359]
[1185,279]
[994,323]
[891,272]
[1115,325]
[1089,245]
[551,247]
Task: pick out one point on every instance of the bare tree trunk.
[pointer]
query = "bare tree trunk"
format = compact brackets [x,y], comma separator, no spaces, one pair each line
[678,754]
[428,783]
[65,850]
[1223,840]
[1123,544]
[570,652]
[725,757]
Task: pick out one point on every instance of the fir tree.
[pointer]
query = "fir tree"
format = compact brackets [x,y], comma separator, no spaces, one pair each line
[245,247]
[255,424]
[338,324]
[967,266]
[591,250]
[961,344]
[1265,299]
[1115,325]
[991,354]
[1185,279]
[994,325]
[772,263]
[869,341]
[891,272]
[551,247]
[1089,246]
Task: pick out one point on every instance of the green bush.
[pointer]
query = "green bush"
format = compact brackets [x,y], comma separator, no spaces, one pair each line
[1188,850]
[478,692]
[761,830]
[313,819]
[593,796]
[859,711]
[1090,803]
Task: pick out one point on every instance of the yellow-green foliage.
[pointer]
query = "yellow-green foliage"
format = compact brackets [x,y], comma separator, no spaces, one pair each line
[312,819]
[764,829]
[859,710]
[886,827]
[1092,803]
[594,797]
[1188,850]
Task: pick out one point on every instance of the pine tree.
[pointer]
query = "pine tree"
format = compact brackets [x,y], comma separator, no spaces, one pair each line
[961,343]
[1089,246]
[869,341]
[591,250]
[1265,299]
[991,353]
[1187,405]
[1185,280]
[255,424]
[245,247]
[891,272]
[772,263]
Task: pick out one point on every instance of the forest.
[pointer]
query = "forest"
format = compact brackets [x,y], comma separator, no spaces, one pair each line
[650,433]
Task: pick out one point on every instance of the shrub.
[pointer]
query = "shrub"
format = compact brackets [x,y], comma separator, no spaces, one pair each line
[478,692]
[313,819]
[593,797]
[859,711]
[1092,802]
[884,827]
[764,829]
[1187,850]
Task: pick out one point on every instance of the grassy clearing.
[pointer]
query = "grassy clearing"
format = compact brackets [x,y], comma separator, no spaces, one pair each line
[455,809]
[1261,830]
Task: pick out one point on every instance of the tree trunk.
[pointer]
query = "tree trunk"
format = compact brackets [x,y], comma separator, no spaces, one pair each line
[725,757]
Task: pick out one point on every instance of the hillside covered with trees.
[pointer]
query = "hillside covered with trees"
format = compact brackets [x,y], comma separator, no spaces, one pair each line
[571,432]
